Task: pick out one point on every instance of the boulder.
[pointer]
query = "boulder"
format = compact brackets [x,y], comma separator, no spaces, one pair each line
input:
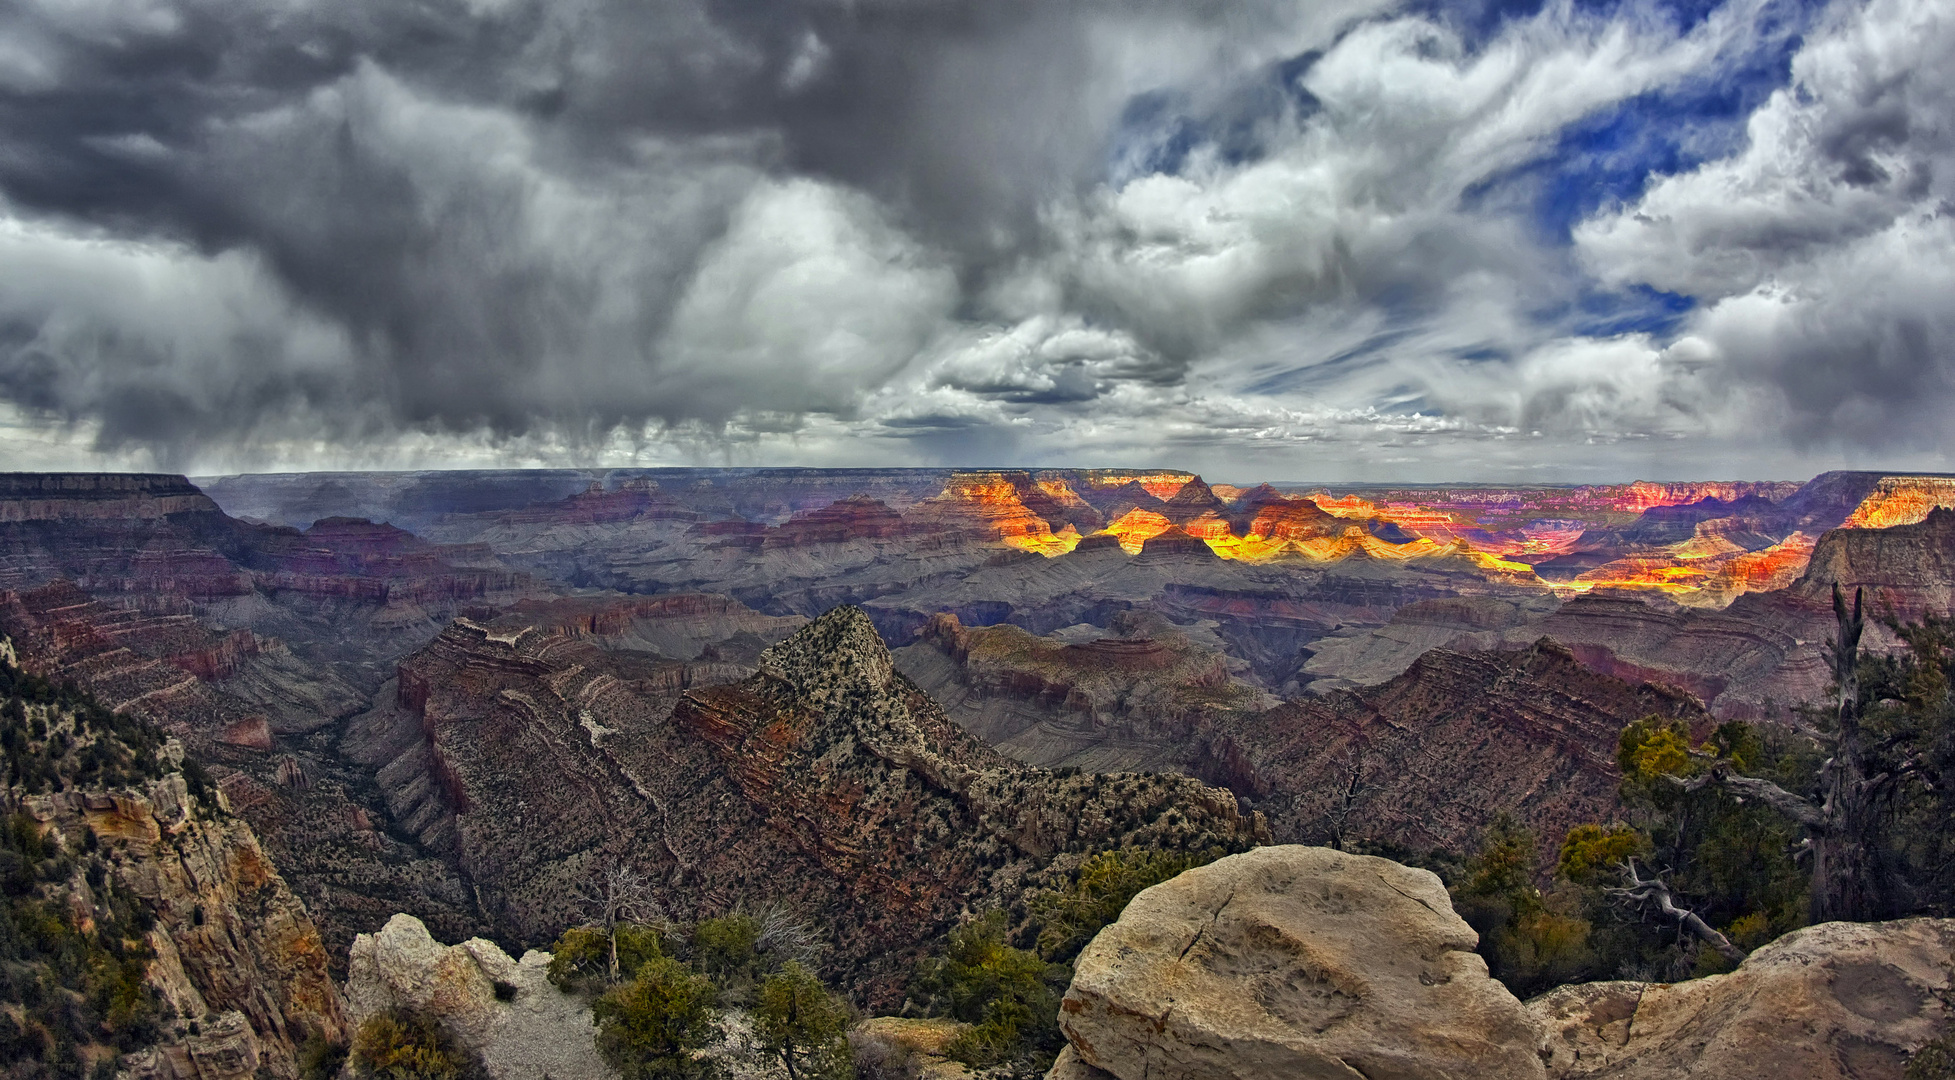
[505,1011]
[1830,1002]
[1294,962]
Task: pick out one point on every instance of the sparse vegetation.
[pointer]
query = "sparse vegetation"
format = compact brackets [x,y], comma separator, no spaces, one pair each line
[664,1005]
[73,953]
[409,1046]
[1009,995]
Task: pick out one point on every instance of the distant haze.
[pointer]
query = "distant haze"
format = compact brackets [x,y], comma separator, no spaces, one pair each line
[1355,240]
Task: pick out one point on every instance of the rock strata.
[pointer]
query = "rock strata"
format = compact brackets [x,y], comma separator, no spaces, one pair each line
[1293,961]
[231,941]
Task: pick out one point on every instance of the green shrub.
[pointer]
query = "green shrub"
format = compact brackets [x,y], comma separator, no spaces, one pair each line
[1935,1061]
[401,1045]
[1105,883]
[1010,995]
[651,1027]
[581,958]
[802,1024]
[320,1058]
[724,947]
[1527,944]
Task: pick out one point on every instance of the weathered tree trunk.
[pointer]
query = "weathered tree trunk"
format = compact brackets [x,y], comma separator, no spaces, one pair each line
[1843,831]
[1845,883]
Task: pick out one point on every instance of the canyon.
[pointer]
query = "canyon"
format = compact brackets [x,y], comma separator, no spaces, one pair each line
[885,698]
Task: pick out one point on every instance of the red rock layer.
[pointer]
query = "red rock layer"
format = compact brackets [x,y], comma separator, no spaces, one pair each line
[1446,747]
[825,781]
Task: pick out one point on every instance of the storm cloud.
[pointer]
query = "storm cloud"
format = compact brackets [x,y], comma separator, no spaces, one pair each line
[1262,239]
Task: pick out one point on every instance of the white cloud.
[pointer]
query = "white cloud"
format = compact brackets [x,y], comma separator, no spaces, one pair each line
[807,300]
[1824,252]
[651,233]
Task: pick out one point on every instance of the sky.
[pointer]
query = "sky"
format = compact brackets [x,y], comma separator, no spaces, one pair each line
[1318,239]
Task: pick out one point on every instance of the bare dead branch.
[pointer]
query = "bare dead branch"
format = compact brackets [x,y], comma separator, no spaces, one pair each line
[1642,891]
[784,937]
[1724,776]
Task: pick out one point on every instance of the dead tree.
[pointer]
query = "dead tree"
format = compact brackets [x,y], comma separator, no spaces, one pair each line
[619,896]
[1643,891]
[782,937]
[1843,828]
[1353,787]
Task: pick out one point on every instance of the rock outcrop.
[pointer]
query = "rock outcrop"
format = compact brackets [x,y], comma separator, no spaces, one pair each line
[1838,1001]
[824,781]
[503,1011]
[1293,961]
[230,940]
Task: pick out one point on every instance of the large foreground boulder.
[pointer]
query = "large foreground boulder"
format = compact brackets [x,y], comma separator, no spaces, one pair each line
[1830,1002]
[505,1011]
[1294,962]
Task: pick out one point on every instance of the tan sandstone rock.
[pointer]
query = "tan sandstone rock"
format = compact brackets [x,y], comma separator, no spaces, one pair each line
[1830,1002]
[1294,962]
[530,1030]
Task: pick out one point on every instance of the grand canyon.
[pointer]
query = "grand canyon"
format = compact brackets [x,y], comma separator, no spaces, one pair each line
[879,699]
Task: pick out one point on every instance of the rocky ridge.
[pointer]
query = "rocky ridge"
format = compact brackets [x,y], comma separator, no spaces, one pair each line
[824,780]
[1429,758]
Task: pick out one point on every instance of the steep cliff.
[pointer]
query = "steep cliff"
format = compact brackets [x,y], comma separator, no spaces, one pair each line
[824,781]
[161,928]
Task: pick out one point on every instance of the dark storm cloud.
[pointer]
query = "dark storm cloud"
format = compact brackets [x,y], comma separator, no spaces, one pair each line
[235,229]
[498,206]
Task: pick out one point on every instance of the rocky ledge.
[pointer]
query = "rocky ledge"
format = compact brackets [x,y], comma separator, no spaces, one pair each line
[1296,961]
[505,1011]
[1293,961]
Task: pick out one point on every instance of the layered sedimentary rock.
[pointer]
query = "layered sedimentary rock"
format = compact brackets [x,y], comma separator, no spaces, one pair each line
[254,713]
[230,938]
[1293,961]
[1754,659]
[117,533]
[1129,697]
[825,781]
[857,517]
[1838,1001]
[1430,758]
[504,1012]
[1008,506]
